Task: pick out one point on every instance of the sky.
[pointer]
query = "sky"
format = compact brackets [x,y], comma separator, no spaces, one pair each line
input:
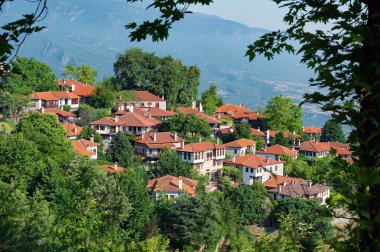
[254,13]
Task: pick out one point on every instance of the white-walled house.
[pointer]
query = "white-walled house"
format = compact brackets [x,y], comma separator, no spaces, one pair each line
[276,151]
[254,167]
[150,145]
[138,124]
[240,147]
[170,187]
[85,147]
[206,157]
[144,99]
[107,127]
[54,99]
[313,148]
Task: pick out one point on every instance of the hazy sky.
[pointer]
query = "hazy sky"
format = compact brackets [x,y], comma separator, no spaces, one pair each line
[254,13]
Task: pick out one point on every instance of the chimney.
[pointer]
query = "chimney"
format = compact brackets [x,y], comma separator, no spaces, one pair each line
[116,119]
[193,105]
[115,166]
[64,81]
[200,139]
[258,128]
[299,142]
[42,110]
[182,144]
[142,135]
[149,115]
[267,160]
[308,183]
[154,137]
[293,148]
[267,136]
[175,136]
[131,108]
[279,189]
[217,140]
[284,183]
[75,130]
[233,159]
[91,138]
[73,87]
[180,182]
[200,107]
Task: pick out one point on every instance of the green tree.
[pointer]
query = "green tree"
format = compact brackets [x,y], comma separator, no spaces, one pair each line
[280,139]
[259,142]
[102,98]
[6,103]
[210,100]
[282,114]
[88,132]
[242,130]
[299,168]
[45,131]
[310,213]
[332,131]
[89,114]
[82,73]
[169,163]
[120,150]
[29,75]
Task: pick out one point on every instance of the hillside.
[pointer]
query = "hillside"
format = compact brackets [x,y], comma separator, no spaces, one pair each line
[92,33]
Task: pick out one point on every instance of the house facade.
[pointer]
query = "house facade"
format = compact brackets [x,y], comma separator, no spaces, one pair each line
[240,147]
[63,116]
[258,168]
[276,151]
[85,147]
[205,157]
[145,100]
[313,148]
[107,127]
[72,130]
[170,187]
[138,124]
[312,131]
[54,99]
[83,90]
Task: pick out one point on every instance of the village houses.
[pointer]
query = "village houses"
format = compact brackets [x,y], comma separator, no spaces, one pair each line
[240,147]
[171,187]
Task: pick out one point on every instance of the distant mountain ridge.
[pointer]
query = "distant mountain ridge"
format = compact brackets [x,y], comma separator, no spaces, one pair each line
[93,33]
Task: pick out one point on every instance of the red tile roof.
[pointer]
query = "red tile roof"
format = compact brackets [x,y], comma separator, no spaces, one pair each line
[314,146]
[240,143]
[300,189]
[189,110]
[276,181]
[200,147]
[72,129]
[111,168]
[312,130]
[253,161]
[170,184]
[146,96]
[59,112]
[228,108]
[64,95]
[256,132]
[337,145]
[226,131]
[138,120]
[278,150]
[70,82]
[161,138]
[110,121]
[80,147]
[84,91]
[340,151]
[46,96]
[157,112]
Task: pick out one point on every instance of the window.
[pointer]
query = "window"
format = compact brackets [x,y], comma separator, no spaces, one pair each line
[130,128]
[102,128]
[139,128]
[235,151]
[251,170]
[270,168]
[246,169]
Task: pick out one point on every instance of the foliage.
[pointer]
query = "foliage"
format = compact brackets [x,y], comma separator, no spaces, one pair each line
[166,76]
[29,75]
[102,98]
[232,173]
[187,126]
[280,139]
[169,163]
[87,132]
[318,225]
[120,150]
[299,168]
[6,103]
[67,108]
[82,73]
[153,244]
[282,114]
[242,130]
[88,114]
[210,100]
[259,142]
[332,131]
[20,103]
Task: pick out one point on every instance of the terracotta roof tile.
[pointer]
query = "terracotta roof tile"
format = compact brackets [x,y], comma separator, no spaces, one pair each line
[171,184]
[72,129]
[111,168]
[228,108]
[189,110]
[138,120]
[256,132]
[110,121]
[200,147]
[226,131]
[146,96]
[84,91]
[1,116]
[161,138]
[253,161]
[312,130]
[276,181]
[80,147]
[59,112]
[240,143]
[64,95]
[70,82]
[314,146]
[337,145]
[278,150]
[157,112]
[300,189]
[46,96]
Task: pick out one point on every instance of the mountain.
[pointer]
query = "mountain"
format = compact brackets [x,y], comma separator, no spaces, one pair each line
[92,32]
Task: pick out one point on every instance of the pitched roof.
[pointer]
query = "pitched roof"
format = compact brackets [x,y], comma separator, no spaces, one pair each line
[72,129]
[46,96]
[189,110]
[276,181]
[278,150]
[110,121]
[240,143]
[312,130]
[157,112]
[200,147]
[287,133]
[84,91]
[138,120]
[253,161]
[340,151]
[338,145]
[80,147]
[59,112]
[228,108]
[300,189]
[145,96]
[64,95]
[170,184]
[111,168]
[314,146]
[257,132]
[161,138]
[226,131]
[70,82]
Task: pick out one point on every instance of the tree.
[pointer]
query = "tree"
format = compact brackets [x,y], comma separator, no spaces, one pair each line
[82,73]
[280,139]
[259,142]
[166,76]
[242,130]
[6,103]
[102,98]
[332,131]
[29,75]
[316,218]
[120,150]
[169,163]
[89,114]
[210,100]
[282,114]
